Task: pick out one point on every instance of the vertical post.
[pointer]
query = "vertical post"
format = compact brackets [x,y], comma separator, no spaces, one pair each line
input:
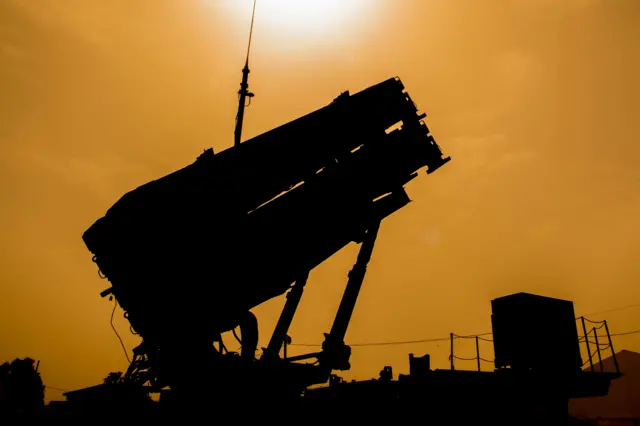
[478,352]
[595,335]
[451,356]
[285,349]
[613,353]
[586,340]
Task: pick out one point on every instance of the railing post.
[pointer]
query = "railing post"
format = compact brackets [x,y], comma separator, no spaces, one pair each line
[586,340]
[451,356]
[595,336]
[478,352]
[613,353]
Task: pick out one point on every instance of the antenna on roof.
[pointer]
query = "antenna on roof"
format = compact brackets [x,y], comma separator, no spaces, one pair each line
[244,93]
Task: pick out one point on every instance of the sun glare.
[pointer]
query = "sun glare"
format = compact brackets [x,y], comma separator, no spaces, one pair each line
[306,16]
[298,18]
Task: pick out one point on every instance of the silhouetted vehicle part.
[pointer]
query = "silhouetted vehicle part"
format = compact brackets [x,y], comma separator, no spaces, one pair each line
[189,254]
[518,317]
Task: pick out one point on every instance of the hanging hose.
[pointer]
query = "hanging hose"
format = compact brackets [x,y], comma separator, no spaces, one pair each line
[94,259]
[236,336]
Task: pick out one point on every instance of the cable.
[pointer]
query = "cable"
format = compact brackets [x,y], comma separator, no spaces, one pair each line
[438,339]
[236,336]
[473,336]
[402,342]
[636,305]
[115,305]
[405,342]
[593,329]
[625,333]
[54,388]
[462,337]
[465,359]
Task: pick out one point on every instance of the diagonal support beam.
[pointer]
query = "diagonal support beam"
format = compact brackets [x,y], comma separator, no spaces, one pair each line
[356,278]
[286,317]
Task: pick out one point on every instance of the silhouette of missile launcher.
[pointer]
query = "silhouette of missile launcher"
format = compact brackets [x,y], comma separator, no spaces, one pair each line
[189,253]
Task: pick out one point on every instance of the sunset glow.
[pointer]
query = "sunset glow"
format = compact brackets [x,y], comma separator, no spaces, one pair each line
[299,18]
[535,101]
[308,16]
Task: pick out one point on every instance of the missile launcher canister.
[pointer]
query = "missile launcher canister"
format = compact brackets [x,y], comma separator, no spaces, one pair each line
[189,253]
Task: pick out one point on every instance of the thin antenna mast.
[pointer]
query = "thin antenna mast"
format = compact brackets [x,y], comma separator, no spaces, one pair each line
[244,87]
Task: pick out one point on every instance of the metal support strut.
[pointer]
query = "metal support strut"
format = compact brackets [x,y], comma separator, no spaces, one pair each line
[336,353]
[286,317]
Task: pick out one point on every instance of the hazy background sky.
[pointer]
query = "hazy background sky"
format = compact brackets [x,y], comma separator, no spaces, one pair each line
[536,101]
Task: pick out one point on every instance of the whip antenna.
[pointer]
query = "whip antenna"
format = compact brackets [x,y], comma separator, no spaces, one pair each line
[244,93]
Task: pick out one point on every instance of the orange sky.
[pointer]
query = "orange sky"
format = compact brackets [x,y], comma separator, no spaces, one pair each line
[536,101]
